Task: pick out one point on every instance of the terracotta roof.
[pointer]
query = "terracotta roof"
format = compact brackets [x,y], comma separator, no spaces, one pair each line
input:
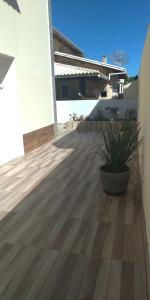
[63,70]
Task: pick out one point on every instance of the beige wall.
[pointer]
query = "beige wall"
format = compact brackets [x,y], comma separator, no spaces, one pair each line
[109,91]
[74,62]
[144,118]
[94,88]
[61,45]
[131,90]
[25,36]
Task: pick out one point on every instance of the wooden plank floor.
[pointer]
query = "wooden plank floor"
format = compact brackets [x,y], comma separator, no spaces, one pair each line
[61,237]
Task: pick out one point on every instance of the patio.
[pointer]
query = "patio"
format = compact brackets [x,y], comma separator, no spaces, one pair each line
[61,237]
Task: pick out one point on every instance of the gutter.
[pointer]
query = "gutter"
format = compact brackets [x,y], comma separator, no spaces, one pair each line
[95,62]
[115,74]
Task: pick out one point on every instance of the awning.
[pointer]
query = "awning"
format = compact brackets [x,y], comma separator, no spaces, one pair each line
[68,71]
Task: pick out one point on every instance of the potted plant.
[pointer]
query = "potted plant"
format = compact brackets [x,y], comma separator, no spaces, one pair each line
[120,150]
[73,116]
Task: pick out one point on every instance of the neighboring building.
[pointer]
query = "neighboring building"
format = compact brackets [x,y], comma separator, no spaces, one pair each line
[73,79]
[144,119]
[26,84]
[64,45]
[74,82]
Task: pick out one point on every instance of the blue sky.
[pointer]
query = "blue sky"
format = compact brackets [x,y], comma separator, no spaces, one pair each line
[102,27]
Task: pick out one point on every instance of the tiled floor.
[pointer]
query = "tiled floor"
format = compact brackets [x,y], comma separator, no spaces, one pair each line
[61,237]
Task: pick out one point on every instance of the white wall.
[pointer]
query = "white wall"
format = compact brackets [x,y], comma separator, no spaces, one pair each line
[80,107]
[85,107]
[34,70]
[123,105]
[25,36]
[11,141]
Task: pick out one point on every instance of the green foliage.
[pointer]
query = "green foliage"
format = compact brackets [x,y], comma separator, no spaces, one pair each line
[120,146]
[73,116]
[131,79]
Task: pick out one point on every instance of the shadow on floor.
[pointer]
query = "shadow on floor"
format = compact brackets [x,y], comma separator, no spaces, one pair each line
[66,239]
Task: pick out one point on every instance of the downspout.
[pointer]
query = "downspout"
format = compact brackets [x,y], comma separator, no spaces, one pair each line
[112,74]
[115,74]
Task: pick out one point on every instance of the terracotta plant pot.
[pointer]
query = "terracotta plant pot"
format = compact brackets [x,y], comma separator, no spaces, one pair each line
[115,183]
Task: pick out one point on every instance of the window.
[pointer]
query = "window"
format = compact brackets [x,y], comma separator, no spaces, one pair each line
[65,91]
[103,93]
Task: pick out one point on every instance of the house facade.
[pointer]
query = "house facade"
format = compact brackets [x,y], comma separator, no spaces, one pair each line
[73,79]
[26,82]
[64,45]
